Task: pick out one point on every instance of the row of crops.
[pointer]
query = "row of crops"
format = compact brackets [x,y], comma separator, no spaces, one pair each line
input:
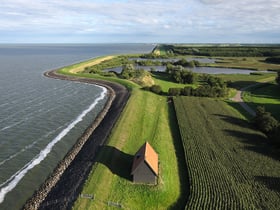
[230,165]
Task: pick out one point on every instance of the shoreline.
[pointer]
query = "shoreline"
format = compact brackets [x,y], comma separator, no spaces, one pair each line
[64,184]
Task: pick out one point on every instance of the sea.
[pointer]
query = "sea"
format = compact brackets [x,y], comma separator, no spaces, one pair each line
[41,118]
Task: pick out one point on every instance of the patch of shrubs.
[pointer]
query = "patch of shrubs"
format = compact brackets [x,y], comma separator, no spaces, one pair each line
[202,91]
[183,62]
[154,88]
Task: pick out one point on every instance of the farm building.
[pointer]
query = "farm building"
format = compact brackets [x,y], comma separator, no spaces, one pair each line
[145,165]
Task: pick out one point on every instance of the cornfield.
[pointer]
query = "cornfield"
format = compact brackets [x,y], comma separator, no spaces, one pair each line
[230,165]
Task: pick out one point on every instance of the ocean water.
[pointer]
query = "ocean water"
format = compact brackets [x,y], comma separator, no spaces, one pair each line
[41,118]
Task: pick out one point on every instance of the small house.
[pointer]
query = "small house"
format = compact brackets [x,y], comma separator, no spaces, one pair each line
[145,165]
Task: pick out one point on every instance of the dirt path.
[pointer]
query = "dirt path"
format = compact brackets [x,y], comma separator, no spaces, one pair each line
[91,63]
[238,97]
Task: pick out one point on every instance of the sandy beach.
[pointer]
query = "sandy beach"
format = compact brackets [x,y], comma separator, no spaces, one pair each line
[64,185]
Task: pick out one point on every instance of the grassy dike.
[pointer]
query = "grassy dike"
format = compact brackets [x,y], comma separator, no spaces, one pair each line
[146,117]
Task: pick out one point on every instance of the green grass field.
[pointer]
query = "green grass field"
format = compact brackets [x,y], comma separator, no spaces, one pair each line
[242,80]
[147,117]
[231,166]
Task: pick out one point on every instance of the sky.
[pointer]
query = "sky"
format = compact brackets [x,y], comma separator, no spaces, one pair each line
[145,21]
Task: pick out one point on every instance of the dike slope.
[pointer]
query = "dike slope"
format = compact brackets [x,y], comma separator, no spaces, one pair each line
[64,185]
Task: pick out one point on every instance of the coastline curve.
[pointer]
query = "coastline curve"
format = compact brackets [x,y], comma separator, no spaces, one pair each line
[63,186]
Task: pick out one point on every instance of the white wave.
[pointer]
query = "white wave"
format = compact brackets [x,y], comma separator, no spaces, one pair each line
[10,126]
[12,182]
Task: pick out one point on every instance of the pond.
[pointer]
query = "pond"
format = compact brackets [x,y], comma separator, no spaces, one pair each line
[206,70]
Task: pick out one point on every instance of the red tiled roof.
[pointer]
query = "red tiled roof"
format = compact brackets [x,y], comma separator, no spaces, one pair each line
[146,153]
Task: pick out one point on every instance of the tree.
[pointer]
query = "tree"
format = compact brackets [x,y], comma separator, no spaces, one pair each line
[177,76]
[265,122]
[169,68]
[128,71]
[182,62]
[188,77]
[191,64]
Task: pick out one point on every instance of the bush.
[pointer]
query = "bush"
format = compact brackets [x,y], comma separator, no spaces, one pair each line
[265,122]
[156,89]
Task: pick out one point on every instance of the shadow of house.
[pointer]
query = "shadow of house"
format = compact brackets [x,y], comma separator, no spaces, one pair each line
[117,161]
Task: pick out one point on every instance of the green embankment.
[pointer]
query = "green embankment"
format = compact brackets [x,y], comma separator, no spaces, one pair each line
[231,166]
[147,117]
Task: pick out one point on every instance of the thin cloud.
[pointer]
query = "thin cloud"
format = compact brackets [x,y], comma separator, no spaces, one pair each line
[170,20]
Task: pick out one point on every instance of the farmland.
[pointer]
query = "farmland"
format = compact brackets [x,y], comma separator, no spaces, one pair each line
[231,166]
[224,163]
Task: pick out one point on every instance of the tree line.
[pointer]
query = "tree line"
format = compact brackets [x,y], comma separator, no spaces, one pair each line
[227,51]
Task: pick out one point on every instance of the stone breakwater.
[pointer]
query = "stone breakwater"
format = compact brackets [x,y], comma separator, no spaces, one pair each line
[63,186]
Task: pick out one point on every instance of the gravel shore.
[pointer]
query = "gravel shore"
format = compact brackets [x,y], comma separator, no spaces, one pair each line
[64,185]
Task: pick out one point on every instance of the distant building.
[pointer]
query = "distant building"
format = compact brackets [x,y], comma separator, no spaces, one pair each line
[145,165]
